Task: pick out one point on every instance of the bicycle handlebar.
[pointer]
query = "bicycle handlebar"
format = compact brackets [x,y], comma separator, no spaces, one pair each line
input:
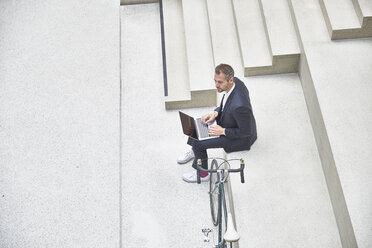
[199,168]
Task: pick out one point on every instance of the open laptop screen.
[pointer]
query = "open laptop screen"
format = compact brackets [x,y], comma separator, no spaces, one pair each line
[188,125]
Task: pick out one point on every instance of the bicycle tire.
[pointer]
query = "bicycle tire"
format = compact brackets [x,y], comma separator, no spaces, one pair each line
[213,193]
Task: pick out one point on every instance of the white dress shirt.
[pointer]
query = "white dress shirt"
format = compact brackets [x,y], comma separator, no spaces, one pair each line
[227,96]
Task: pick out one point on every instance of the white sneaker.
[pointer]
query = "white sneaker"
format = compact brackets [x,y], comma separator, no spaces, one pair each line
[186,157]
[191,177]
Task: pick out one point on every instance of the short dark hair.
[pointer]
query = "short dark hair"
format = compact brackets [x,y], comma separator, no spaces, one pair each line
[225,69]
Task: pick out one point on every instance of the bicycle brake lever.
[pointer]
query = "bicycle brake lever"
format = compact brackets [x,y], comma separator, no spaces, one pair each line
[242,171]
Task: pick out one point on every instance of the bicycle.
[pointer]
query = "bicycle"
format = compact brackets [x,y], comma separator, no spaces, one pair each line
[218,177]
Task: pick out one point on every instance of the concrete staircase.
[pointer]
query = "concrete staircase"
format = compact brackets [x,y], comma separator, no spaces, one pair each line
[267,39]
[224,36]
[347,18]
[255,37]
[187,87]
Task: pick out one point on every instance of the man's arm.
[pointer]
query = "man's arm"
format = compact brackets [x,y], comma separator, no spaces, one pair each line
[216,130]
[242,115]
[208,118]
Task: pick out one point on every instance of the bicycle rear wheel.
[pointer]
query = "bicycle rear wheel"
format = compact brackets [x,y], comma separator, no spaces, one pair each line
[213,192]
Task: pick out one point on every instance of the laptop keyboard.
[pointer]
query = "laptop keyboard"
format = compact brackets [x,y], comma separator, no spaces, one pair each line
[203,129]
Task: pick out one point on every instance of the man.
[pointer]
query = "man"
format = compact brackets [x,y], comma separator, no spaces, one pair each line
[236,125]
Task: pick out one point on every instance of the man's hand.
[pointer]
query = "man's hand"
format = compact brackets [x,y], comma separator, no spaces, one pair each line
[208,118]
[216,130]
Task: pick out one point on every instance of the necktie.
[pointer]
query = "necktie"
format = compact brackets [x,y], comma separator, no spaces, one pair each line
[221,106]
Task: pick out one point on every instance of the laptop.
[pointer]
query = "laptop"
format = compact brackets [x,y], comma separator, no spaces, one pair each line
[195,127]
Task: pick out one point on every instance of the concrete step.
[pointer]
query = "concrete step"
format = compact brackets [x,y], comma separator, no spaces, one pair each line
[280,28]
[175,50]
[285,194]
[363,9]
[342,20]
[128,2]
[254,46]
[267,39]
[338,98]
[224,36]
[180,93]
[281,35]
[199,49]
[59,124]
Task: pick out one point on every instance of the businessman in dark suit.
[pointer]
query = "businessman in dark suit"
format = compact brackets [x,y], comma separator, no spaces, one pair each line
[236,125]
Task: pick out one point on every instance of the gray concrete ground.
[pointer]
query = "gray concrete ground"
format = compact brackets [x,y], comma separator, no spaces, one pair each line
[159,209]
[59,124]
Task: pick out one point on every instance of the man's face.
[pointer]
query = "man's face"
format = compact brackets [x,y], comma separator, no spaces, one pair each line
[221,83]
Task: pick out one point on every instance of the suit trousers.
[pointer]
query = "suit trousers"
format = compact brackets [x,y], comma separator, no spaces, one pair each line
[200,148]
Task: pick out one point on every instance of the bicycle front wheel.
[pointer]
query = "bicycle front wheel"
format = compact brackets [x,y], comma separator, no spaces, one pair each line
[213,192]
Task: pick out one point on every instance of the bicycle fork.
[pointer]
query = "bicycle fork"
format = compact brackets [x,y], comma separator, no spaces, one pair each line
[231,234]
[222,204]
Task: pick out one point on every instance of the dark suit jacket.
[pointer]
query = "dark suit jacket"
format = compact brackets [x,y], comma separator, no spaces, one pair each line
[237,117]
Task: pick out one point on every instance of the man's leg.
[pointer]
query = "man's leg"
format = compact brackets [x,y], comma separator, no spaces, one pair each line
[200,148]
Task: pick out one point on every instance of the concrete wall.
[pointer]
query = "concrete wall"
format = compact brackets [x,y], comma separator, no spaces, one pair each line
[59,124]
